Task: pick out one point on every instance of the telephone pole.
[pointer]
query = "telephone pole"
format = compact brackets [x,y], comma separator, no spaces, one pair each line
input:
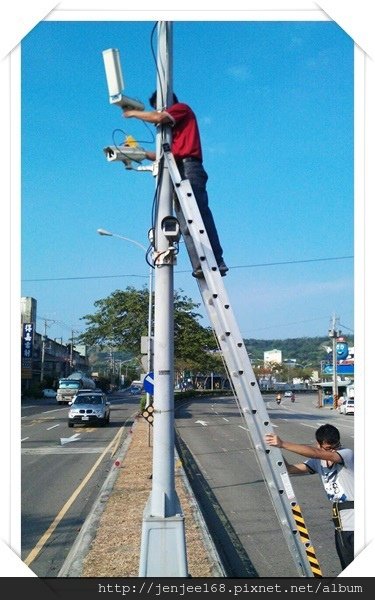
[163,546]
[44,337]
[71,350]
[334,333]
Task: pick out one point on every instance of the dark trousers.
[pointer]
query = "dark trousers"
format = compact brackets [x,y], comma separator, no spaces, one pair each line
[194,171]
[344,541]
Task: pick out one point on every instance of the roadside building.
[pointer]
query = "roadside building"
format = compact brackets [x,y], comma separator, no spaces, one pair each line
[43,358]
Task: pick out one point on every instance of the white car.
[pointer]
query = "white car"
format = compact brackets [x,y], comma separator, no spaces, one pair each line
[89,408]
[347,407]
[49,393]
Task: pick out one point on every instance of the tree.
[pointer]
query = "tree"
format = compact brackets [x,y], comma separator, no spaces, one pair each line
[121,320]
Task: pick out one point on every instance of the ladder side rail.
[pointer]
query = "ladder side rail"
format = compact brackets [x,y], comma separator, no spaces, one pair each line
[192,217]
[271,461]
[242,375]
[197,230]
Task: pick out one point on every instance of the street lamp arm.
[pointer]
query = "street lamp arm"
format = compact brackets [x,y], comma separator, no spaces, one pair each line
[122,237]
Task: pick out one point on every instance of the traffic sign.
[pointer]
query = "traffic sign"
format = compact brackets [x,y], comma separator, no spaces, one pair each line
[148,383]
[148,414]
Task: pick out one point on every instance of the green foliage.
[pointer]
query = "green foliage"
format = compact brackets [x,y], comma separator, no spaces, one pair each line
[142,403]
[121,320]
[306,350]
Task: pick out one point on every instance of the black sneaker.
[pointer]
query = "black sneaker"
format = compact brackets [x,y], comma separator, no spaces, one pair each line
[223,269]
[198,273]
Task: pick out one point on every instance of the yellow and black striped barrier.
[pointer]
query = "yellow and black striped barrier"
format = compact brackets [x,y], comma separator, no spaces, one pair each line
[304,535]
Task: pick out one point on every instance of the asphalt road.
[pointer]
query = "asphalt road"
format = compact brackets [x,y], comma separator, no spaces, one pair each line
[62,472]
[229,486]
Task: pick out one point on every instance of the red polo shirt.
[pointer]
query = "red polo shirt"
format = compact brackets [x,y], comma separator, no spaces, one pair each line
[185,133]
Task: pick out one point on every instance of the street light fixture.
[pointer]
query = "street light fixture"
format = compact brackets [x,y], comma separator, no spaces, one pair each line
[104,232]
[120,363]
[122,237]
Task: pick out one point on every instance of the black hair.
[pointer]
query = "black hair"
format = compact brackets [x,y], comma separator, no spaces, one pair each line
[328,433]
[153,98]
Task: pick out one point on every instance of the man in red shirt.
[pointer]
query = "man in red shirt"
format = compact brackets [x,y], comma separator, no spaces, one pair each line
[187,151]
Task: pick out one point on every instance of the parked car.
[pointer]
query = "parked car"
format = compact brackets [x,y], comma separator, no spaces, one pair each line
[49,393]
[92,407]
[135,389]
[347,407]
[289,394]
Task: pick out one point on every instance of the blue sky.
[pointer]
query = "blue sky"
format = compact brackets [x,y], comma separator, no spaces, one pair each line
[275,105]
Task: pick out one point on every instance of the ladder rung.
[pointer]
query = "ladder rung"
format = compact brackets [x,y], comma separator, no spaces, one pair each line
[243,379]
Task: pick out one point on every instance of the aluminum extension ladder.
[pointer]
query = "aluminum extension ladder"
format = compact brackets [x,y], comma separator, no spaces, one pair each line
[241,373]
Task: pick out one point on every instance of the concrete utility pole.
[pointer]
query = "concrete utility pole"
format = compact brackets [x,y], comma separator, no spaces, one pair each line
[71,350]
[334,333]
[42,363]
[163,546]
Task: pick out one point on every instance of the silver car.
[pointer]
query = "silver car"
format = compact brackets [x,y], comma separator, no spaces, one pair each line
[92,408]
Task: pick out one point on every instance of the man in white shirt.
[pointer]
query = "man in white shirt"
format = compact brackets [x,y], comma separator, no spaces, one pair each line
[335,465]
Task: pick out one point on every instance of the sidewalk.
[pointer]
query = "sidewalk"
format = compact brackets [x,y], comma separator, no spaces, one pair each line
[108,544]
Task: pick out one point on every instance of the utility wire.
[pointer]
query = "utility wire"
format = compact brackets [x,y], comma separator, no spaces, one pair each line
[254,265]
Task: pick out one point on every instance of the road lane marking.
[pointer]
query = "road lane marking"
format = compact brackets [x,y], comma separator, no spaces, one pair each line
[43,540]
[23,439]
[61,450]
[224,419]
[38,421]
[116,440]
[72,438]
[53,426]
[202,423]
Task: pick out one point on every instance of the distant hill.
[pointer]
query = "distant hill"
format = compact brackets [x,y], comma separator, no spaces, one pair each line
[305,350]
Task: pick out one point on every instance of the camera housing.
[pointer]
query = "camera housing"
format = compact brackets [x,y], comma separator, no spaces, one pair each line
[171,228]
[115,81]
[127,103]
[125,154]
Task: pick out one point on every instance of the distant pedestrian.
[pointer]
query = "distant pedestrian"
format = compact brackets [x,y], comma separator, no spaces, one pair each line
[335,466]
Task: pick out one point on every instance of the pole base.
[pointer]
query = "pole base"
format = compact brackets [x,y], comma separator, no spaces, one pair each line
[163,546]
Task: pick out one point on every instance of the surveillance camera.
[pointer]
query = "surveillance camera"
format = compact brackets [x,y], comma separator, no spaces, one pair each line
[127,103]
[115,81]
[125,154]
[171,228]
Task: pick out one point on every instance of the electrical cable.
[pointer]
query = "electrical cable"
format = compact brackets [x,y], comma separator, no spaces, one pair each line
[156,63]
[138,141]
[179,272]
